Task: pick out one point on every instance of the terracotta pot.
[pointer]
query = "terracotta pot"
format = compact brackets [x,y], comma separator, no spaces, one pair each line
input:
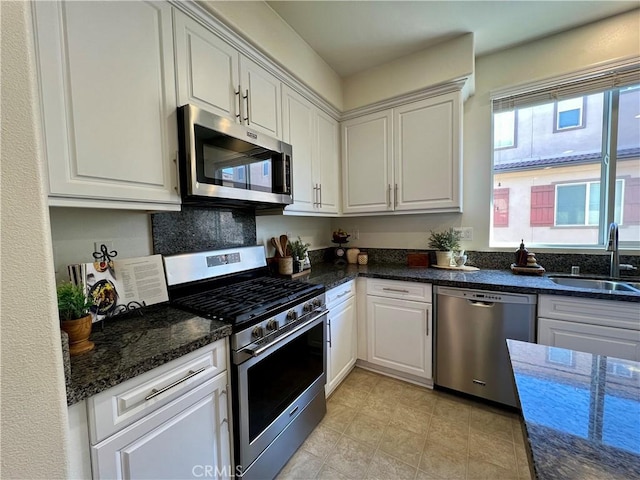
[78,331]
[443,259]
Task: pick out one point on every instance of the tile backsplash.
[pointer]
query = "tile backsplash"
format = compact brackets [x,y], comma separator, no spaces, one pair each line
[200,228]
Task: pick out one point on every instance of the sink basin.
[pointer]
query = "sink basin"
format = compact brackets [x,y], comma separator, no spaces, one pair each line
[595,283]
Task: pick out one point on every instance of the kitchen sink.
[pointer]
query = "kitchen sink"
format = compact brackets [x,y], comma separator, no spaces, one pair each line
[597,284]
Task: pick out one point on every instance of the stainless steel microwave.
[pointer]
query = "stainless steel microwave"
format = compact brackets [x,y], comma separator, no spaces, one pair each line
[226,163]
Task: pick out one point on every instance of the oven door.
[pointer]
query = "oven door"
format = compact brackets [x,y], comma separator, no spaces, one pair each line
[273,387]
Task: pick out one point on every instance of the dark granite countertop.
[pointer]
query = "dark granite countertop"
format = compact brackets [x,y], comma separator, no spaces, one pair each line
[133,344]
[498,280]
[581,412]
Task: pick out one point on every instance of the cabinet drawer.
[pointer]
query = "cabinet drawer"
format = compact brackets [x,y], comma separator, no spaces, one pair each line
[117,407]
[340,293]
[609,313]
[418,292]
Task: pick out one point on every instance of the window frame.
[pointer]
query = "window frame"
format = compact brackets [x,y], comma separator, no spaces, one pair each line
[514,132]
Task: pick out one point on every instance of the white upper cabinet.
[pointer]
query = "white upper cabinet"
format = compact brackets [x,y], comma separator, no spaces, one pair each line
[314,138]
[214,76]
[367,167]
[106,78]
[427,154]
[404,159]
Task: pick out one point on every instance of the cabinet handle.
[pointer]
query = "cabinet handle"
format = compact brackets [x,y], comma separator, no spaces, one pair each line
[239,114]
[177,165]
[329,329]
[189,375]
[320,192]
[395,196]
[344,293]
[246,97]
[427,323]
[395,290]
[315,194]
[389,196]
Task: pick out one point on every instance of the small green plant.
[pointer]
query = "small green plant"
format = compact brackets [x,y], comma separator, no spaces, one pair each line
[445,241]
[299,248]
[72,301]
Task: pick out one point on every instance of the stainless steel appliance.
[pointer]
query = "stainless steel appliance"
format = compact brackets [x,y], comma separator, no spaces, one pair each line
[278,349]
[471,330]
[223,162]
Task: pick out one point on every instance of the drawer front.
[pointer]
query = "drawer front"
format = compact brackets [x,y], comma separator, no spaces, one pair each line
[418,292]
[340,293]
[607,313]
[117,407]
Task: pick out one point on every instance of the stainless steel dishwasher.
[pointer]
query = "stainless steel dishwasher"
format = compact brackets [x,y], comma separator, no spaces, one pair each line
[471,330]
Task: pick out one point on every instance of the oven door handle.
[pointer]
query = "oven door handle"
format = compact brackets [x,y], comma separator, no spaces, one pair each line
[259,351]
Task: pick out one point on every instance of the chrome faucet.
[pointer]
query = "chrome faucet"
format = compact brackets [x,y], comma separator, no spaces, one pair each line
[612,246]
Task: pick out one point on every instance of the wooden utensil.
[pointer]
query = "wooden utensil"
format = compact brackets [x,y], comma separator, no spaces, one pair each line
[284,242]
[276,243]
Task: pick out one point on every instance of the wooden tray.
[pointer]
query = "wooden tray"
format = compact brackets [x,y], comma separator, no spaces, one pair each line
[292,276]
[527,270]
[464,268]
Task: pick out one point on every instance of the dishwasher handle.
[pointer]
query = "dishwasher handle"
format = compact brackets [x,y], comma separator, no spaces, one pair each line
[479,303]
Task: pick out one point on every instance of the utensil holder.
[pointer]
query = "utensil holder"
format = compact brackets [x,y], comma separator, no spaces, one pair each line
[285,265]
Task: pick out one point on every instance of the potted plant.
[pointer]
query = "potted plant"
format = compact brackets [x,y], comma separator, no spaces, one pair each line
[74,310]
[299,252]
[444,243]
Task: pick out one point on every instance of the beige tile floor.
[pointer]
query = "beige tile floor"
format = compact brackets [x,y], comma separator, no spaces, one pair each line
[377,427]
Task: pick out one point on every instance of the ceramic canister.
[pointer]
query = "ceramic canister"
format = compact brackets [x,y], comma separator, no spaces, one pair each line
[352,255]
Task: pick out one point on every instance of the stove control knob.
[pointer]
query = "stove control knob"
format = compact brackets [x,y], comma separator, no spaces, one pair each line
[317,302]
[307,307]
[292,315]
[258,332]
[272,325]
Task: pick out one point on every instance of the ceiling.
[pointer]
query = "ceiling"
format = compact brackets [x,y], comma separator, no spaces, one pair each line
[352,36]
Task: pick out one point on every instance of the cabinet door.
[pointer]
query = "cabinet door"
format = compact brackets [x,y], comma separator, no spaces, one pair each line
[341,335]
[262,104]
[326,165]
[298,130]
[427,154]
[207,69]
[108,100]
[367,176]
[614,342]
[181,440]
[399,335]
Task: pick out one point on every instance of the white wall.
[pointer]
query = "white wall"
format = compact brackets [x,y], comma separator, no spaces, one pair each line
[447,61]
[264,28]
[74,231]
[34,437]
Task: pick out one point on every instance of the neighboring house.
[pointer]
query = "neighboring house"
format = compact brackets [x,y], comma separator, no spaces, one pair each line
[547,170]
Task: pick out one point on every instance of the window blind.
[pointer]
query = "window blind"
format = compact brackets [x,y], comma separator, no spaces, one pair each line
[583,83]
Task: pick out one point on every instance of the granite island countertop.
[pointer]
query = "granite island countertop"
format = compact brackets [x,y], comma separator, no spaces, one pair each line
[497,280]
[581,412]
[132,344]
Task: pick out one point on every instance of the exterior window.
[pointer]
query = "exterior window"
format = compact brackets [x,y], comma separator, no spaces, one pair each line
[559,185]
[569,114]
[560,356]
[579,203]
[504,130]
[500,207]
[265,169]
[619,369]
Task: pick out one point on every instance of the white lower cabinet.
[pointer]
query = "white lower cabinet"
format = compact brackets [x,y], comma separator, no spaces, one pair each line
[399,331]
[602,327]
[341,334]
[171,422]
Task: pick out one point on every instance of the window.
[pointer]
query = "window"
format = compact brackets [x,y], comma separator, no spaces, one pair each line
[504,130]
[265,168]
[560,356]
[569,114]
[619,369]
[565,189]
[579,203]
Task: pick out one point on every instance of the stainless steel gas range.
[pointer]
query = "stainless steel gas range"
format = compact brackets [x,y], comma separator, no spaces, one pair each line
[278,349]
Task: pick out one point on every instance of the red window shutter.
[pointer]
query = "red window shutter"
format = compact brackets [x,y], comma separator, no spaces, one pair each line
[631,208]
[500,207]
[542,205]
